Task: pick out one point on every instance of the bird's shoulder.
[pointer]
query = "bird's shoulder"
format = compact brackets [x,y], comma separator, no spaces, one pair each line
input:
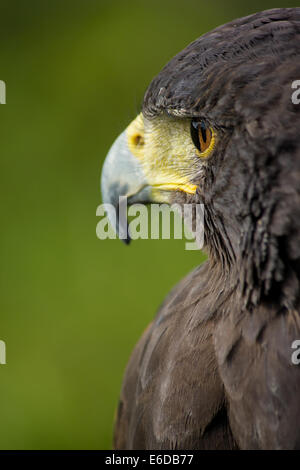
[262,383]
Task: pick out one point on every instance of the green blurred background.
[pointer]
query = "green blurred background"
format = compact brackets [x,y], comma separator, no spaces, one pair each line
[72,306]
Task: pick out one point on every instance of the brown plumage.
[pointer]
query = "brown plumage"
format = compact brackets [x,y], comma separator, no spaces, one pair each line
[214,369]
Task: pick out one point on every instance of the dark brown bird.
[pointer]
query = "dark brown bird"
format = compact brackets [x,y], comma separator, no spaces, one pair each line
[220,125]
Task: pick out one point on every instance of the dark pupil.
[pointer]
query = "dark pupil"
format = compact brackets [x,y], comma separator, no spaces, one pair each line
[203,131]
[195,133]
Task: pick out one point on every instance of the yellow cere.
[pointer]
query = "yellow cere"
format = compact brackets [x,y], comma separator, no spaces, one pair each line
[164,147]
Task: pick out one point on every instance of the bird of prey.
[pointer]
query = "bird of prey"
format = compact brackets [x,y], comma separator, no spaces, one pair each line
[219,126]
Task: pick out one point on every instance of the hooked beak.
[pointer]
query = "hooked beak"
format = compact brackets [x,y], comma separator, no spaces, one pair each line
[122,175]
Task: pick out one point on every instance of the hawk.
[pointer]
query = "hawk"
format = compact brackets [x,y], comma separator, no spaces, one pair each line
[219,126]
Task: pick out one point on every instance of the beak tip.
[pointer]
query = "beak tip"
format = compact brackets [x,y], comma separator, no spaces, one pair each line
[126,240]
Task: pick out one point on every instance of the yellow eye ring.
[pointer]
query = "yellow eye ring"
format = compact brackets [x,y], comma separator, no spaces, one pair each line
[203,137]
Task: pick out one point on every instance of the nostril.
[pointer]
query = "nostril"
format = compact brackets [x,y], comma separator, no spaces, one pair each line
[137,140]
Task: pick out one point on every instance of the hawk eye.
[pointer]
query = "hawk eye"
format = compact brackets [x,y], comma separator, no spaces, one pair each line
[201,135]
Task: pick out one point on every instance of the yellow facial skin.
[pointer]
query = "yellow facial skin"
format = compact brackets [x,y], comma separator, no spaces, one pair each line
[165,150]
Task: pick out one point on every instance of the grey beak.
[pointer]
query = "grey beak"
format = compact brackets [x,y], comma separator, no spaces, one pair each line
[122,175]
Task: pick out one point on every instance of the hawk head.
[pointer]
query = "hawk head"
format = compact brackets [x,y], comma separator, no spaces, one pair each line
[219,126]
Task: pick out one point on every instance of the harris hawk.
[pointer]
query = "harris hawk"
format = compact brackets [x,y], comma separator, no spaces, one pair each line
[219,127]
